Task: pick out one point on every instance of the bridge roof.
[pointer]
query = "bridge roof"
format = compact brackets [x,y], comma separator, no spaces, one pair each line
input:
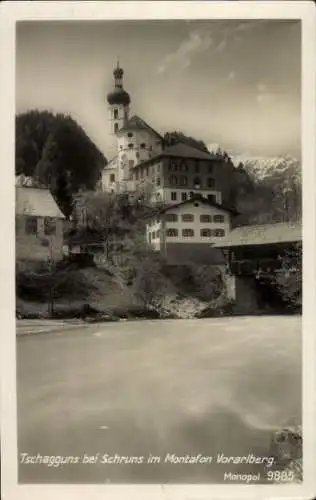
[265,234]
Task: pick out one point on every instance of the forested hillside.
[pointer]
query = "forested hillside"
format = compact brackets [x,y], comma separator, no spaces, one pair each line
[55,150]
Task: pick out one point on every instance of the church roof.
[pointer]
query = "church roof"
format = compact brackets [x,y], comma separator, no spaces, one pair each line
[36,202]
[184,151]
[137,123]
[118,96]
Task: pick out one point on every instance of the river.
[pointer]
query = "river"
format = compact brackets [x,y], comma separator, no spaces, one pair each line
[183,387]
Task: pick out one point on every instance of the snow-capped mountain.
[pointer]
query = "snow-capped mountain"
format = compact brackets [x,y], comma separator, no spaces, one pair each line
[264,168]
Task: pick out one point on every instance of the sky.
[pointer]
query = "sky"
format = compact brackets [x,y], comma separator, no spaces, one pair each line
[235,83]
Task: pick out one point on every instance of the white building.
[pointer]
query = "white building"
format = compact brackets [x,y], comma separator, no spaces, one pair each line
[188,228]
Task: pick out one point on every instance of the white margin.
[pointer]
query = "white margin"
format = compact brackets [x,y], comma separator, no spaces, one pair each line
[12,11]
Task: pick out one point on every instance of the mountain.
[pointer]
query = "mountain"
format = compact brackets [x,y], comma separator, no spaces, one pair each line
[266,188]
[286,168]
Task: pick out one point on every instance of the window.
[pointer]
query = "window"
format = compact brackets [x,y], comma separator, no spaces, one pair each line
[173,196]
[191,194]
[172,217]
[219,218]
[153,235]
[158,143]
[149,237]
[187,233]
[172,233]
[210,182]
[146,172]
[115,114]
[137,154]
[173,166]
[210,169]
[183,180]
[184,196]
[205,218]
[158,167]
[212,198]
[158,234]
[131,145]
[183,167]
[31,225]
[49,226]
[143,145]
[173,180]
[112,177]
[158,181]
[197,167]
[219,232]
[206,233]
[188,217]
[129,134]
[137,175]
[197,182]
[115,128]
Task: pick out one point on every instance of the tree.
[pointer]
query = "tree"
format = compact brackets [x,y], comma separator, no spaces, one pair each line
[150,285]
[172,138]
[55,150]
[108,221]
[288,278]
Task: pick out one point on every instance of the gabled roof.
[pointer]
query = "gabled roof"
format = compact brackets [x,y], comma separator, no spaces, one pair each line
[263,234]
[137,123]
[195,198]
[36,202]
[182,150]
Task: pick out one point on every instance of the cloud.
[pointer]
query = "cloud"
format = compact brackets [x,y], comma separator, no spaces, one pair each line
[197,42]
[222,45]
[264,95]
[231,76]
[251,24]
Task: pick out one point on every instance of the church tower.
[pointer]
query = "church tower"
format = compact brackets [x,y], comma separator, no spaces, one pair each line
[119,101]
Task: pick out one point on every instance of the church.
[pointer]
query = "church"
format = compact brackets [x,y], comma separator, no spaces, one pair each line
[191,185]
[171,174]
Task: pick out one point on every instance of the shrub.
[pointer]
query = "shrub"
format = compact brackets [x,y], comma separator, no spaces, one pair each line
[150,285]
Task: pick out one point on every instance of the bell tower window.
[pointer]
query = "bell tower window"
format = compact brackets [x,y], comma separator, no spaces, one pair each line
[115,114]
[116,128]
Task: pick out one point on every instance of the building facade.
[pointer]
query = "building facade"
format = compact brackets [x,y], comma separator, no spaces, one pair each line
[189,227]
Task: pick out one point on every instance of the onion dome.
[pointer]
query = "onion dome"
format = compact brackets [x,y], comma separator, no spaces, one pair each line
[119,96]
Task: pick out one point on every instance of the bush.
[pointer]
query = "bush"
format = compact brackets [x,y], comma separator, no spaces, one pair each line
[40,283]
[288,279]
[207,280]
[150,285]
